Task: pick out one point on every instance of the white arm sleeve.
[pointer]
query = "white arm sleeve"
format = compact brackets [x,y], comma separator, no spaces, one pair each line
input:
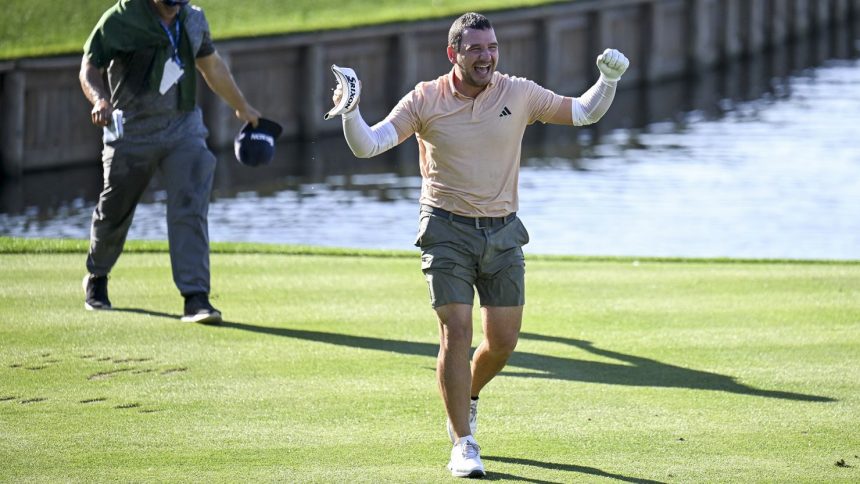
[365,141]
[592,105]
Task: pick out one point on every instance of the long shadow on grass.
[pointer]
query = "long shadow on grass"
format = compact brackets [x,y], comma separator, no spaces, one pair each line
[501,476]
[146,312]
[632,371]
[637,371]
[592,471]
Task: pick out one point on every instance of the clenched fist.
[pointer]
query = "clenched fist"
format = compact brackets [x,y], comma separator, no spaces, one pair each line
[612,64]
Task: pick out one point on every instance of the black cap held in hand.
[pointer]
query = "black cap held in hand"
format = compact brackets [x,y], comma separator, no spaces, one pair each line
[256,146]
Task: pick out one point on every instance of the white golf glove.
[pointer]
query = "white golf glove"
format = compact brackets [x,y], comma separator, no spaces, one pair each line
[347,92]
[612,64]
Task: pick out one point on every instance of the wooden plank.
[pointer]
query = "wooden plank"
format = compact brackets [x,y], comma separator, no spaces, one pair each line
[569,54]
[12,147]
[670,39]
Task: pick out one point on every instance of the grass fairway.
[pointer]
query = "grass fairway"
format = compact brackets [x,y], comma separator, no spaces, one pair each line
[656,371]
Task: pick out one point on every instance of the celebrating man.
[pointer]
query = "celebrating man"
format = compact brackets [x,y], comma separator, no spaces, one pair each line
[469,124]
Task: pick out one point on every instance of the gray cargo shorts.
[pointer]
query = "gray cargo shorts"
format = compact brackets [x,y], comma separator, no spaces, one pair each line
[459,254]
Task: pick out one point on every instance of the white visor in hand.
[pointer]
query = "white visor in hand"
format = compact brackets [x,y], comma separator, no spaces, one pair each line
[350,87]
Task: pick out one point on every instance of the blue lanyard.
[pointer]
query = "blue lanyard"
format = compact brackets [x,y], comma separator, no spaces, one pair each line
[174,41]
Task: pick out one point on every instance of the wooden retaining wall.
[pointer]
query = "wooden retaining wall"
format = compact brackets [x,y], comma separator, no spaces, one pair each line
[44,117]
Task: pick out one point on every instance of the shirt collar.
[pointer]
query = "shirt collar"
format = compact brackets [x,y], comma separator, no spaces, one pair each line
[459,94]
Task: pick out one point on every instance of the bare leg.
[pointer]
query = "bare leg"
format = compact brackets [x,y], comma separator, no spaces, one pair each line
[501,332]
[452,366]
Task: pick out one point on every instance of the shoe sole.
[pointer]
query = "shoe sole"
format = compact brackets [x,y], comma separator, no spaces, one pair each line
[474,473]
[212,318]
[88,306]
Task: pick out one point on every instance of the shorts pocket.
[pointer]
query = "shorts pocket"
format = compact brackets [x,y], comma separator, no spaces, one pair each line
[432,230]
[512,236]
[423,224]
[523,234]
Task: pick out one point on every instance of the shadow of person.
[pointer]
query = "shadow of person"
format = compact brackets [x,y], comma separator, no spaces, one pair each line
[632,370]
[147,312]
[592,471]
[501,476]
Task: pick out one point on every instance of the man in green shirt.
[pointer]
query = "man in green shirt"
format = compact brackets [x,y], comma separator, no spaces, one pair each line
[151,51]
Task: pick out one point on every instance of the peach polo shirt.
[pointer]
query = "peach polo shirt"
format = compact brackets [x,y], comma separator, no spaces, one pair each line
[469,148]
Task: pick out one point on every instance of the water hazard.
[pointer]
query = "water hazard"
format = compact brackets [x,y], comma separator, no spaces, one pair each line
[757,160]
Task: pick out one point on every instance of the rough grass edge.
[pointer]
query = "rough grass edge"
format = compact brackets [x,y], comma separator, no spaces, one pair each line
[19,245]
[15,53]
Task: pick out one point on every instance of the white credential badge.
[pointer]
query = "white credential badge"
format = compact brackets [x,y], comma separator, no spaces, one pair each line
[172,74]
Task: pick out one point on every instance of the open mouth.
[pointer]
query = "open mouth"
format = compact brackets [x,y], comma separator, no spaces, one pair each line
[483,70]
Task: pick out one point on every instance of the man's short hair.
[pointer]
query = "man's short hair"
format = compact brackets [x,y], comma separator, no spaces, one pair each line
[469,20]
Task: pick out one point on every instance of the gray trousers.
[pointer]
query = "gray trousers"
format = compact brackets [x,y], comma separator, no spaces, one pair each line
[186,168]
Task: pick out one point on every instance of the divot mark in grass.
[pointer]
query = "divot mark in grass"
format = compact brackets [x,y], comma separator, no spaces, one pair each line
[93,400]
[143,370]
[45,355]
[842,463]
[33,400]
[86,357]
[131,360]
[36,368]
[173,370]
[104,358]
[15,365]
[103,375]
[125,406]
[8,398]
[149,410]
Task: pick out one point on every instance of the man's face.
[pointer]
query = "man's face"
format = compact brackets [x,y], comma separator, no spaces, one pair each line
[477,58]
[170,7]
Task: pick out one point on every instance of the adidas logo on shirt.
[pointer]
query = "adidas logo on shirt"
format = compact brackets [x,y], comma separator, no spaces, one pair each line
[505,112]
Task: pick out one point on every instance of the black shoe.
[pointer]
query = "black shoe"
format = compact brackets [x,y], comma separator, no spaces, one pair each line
[95,288]
[198,310]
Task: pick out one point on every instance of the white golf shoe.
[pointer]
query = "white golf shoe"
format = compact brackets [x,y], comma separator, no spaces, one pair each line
[473,421]
[466,459]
